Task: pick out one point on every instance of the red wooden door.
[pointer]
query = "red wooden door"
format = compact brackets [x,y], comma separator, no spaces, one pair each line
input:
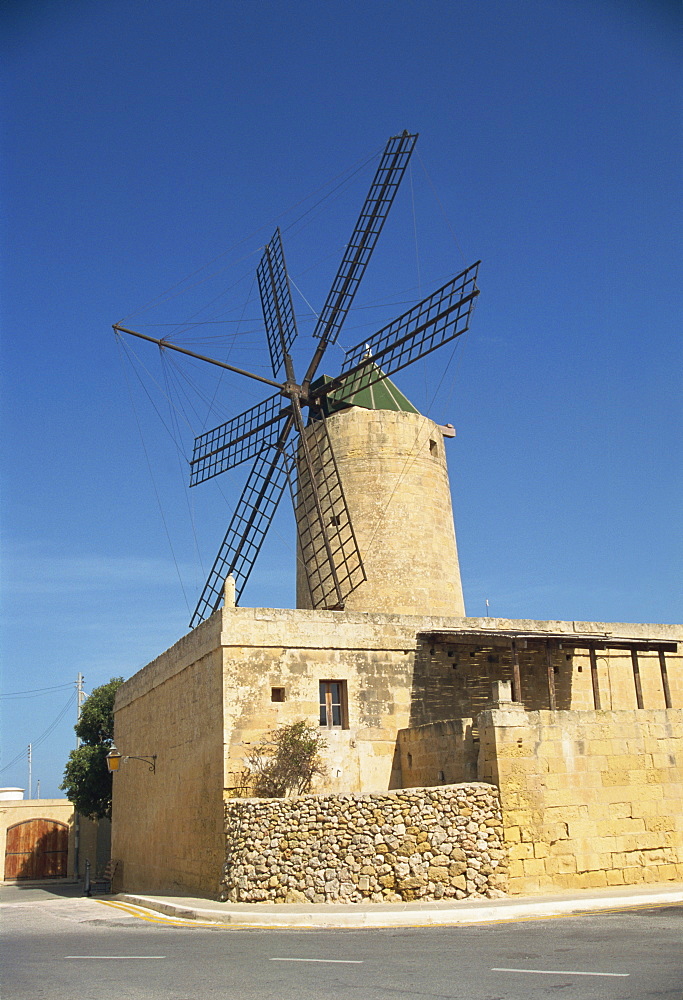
[37,848]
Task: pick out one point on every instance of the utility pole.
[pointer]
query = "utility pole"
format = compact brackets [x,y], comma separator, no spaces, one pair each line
[79,701]
[38,788]
[80,698]
[30,770]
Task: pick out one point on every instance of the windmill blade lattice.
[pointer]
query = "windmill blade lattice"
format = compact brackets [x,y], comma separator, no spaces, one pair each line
[247,529]
[241,438]
[363,239]
[435,321]
[327,542]
[276,302]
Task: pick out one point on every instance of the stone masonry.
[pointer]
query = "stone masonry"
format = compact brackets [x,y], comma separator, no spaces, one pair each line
[589,799]
[414,698]
[395,479]
[421,843]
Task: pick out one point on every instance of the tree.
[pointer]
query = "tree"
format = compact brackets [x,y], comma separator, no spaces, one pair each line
[87,781]
[285,761]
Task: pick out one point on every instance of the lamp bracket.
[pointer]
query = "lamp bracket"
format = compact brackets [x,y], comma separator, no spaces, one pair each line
[150,759]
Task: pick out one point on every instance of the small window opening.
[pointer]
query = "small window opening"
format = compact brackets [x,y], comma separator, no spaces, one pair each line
[433,447]
[277,694]
[441,776]
[335,520]
[333,705]
[410,760]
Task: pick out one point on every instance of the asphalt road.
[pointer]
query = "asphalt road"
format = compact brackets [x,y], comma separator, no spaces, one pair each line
[92,949]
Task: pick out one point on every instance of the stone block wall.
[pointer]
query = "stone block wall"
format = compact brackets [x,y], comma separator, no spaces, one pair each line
[395,479]
[440,753]
[167,825]
[616,681]
[589,798]
[426,843]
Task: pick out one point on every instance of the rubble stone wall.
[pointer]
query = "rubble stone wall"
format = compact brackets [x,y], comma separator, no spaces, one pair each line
[418,843]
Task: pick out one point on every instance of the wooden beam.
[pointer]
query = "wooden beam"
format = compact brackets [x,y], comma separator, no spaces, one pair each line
[665,679]
[516,679]
[636,677]
[551,676]
[594,678]
[489,639]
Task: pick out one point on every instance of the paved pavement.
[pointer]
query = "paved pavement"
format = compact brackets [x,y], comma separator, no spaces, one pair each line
[357,915]
[416,914]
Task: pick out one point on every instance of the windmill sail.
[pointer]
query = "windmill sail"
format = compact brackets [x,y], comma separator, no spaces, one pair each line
[246,531]
[435,321]
[327,542]
[359,248]
[364,237]
[239,439]
[276,302]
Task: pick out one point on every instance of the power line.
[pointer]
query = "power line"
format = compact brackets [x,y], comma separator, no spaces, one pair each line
[34,692]
[48,732]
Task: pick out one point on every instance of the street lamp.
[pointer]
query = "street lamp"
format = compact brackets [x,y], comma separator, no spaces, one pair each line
[115,759]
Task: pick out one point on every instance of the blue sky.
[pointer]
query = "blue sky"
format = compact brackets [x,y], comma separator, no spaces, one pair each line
[143,141]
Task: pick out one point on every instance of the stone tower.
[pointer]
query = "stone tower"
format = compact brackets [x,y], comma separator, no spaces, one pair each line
[392,465]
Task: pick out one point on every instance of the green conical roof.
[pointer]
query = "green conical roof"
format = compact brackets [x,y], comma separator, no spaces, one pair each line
[380,395]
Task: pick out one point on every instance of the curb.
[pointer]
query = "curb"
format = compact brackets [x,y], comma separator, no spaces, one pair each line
[401,915]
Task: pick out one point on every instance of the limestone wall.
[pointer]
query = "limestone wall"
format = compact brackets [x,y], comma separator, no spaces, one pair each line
[440,753]
[396,678]
[589,798]
[292,651]
[392,466]
[201,704]
[423,843]
[167,826]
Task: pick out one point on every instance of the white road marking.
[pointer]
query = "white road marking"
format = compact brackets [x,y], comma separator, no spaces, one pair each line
[331,961]
[125,958]
[563,972]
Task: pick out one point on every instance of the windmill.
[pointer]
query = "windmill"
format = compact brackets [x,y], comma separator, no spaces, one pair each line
[286,448]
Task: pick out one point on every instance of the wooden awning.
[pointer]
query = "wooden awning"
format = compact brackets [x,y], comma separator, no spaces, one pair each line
[570,640]
[518,640]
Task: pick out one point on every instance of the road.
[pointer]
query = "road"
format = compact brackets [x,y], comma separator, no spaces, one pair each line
[93,949]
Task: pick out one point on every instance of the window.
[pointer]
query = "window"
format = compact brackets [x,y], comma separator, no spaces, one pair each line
[277,694]
[333,707]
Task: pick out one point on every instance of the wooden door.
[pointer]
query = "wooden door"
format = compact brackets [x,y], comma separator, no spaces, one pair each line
[37,848]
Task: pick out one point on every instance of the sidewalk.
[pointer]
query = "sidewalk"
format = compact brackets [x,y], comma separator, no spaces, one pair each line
[428,914]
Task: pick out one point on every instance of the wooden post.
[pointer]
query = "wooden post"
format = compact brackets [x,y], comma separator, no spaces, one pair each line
[636,677]
[594,678]
[516,679]
[665,679]
[551,676]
